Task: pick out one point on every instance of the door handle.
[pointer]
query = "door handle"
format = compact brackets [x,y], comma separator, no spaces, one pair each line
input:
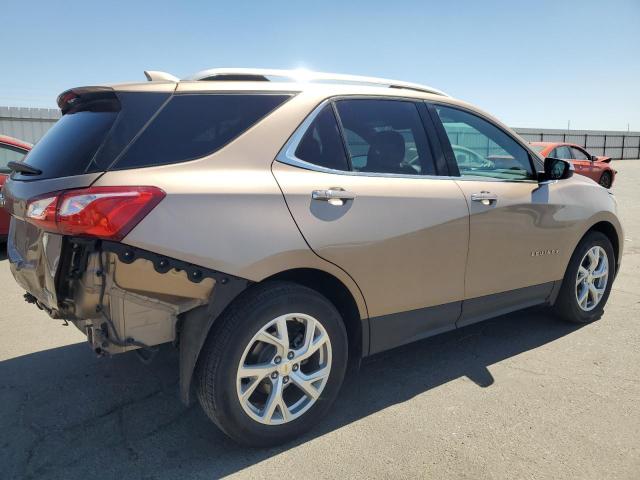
[486,198]
[334,195]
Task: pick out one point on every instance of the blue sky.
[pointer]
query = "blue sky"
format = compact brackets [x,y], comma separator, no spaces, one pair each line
[531,63]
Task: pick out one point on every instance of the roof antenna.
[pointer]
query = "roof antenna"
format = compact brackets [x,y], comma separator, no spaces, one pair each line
[157,76]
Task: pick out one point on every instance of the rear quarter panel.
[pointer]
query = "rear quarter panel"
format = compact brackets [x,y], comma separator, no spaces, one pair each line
[226,211]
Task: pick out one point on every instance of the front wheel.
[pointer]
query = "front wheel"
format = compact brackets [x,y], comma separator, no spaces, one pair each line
[587,281]
[273,364]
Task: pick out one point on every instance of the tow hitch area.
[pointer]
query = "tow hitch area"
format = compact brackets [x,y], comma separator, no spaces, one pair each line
[124,298]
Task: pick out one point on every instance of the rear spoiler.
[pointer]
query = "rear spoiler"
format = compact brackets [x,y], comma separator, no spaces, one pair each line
[70,99]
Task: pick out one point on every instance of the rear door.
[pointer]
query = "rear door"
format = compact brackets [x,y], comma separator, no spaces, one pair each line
[514,228]
[361,181]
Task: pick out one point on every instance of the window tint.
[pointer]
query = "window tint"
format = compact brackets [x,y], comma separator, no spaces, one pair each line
[321,143]
[91,134]
[385,136]
[136,109]
[9,154]
[68,146]
[562,152]
[192,126]
[579,154]
[482,149]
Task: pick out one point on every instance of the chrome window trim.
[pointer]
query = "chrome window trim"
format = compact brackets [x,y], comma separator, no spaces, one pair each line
[288,157]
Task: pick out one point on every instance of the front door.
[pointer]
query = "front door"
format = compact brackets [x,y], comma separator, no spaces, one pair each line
[513,249]
[362,186]
[583,163]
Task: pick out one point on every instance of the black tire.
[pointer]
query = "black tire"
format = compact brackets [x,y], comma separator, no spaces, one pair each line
[223,350]
[566,305]
[605,180]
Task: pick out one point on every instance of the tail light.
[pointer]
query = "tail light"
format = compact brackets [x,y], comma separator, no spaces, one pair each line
[103,212]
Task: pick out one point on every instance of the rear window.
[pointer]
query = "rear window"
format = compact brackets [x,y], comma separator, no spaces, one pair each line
[93,131]
[96,133]
[69,145]
[191,126]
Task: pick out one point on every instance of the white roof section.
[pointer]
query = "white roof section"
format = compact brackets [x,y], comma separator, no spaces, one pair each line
[306,76]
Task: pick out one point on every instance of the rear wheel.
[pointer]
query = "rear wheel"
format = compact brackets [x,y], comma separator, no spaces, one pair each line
[587,281]
[605,180]
[273,364]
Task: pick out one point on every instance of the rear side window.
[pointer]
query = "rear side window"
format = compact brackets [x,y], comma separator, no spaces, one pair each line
[9,154]
[385,136]
[192,126]
[321,143]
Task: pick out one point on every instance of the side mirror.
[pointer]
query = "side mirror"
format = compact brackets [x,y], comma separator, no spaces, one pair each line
[556,169]
[594,158]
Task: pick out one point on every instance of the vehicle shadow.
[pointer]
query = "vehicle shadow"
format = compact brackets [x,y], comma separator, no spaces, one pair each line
[66,414]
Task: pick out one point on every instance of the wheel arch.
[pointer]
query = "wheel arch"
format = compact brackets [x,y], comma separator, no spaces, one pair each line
[195,325]
[611,232]
[340,296]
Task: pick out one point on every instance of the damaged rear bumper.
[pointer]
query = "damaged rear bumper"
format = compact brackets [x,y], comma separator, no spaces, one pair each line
[124,298]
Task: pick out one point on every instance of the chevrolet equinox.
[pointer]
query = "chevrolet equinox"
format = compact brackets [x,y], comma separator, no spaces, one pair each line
[275,225]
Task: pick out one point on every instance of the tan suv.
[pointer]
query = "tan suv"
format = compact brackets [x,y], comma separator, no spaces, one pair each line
[274,225]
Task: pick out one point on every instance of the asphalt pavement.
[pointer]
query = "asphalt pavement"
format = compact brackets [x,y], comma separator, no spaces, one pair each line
[519,396]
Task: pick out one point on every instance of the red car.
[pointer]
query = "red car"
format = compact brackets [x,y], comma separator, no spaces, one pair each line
[595,167]
[11,150]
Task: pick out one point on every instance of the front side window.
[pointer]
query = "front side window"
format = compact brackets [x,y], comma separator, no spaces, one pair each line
[385,136]
[579,154]
[321,143]
[562,152]
[482,149]
[9,154]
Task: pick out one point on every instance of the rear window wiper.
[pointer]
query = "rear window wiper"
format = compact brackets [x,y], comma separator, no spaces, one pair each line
[24,168]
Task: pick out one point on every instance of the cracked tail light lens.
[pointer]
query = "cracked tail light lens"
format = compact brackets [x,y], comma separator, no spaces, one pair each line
[102,212]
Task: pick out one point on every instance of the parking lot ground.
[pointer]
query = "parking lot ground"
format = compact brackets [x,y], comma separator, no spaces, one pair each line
[520,396]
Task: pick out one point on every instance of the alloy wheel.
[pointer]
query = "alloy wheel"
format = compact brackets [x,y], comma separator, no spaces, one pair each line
[592,277]
[284,369]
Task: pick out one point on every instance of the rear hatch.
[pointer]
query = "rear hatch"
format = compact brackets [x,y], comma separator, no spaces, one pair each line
[97,125]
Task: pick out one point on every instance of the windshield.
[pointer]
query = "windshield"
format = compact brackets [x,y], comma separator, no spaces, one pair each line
[538,148]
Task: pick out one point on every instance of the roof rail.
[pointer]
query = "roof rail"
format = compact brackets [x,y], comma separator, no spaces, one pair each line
[301,75]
